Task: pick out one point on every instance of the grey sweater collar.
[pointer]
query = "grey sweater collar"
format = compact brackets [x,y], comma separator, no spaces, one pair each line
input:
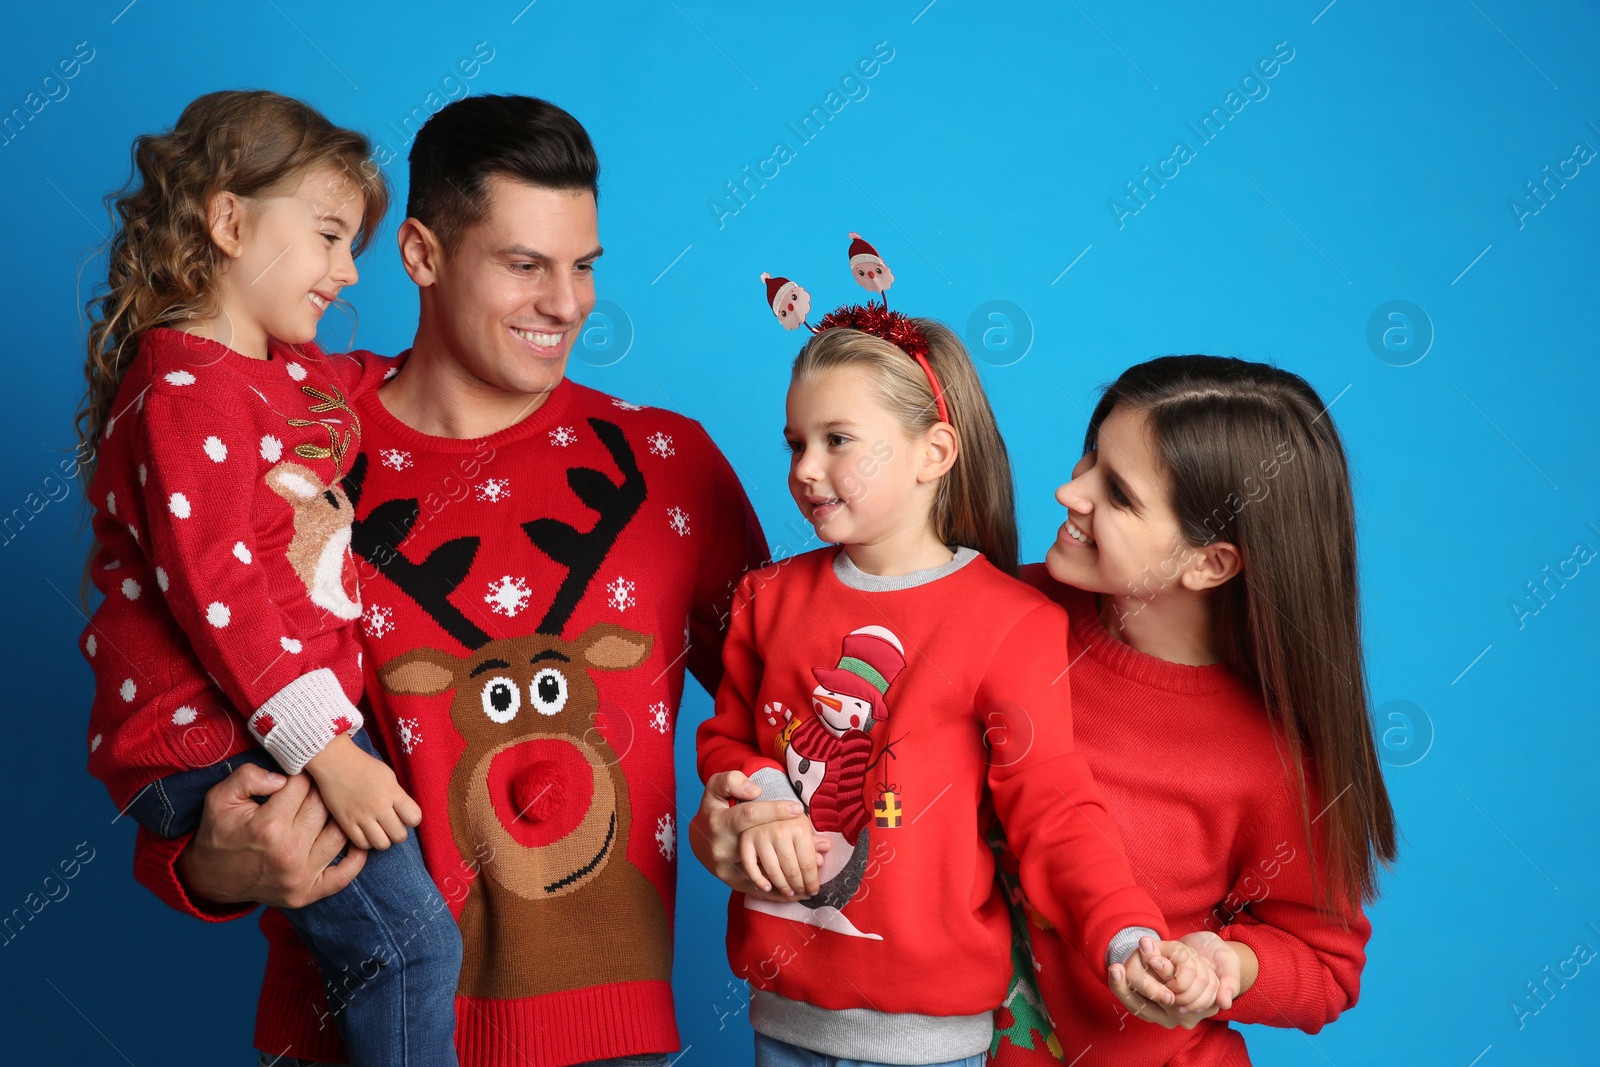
[856,578]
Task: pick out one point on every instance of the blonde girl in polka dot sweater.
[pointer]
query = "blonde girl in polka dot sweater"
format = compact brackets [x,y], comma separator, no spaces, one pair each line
[219,434]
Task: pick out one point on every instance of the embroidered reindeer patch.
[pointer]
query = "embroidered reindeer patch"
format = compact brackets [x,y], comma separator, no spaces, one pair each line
[322,522]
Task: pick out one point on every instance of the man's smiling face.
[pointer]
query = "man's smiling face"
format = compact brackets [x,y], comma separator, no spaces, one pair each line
[513,294]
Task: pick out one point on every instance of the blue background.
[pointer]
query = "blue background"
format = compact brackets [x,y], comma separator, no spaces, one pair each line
[982,160]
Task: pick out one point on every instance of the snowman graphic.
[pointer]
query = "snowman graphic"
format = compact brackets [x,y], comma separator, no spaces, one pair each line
[826,757]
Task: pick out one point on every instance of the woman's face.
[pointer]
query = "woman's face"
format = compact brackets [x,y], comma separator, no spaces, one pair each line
[1121,536]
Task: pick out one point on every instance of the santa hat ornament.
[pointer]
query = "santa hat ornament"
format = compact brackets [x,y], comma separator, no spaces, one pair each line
[869,269]
[869,662]
[789,302]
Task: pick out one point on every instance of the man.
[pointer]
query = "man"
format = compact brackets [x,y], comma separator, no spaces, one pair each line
[541,563]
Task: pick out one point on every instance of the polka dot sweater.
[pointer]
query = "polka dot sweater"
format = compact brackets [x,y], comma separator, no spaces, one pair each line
[223,555]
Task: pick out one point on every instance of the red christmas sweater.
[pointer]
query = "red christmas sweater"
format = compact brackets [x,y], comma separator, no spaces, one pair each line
[223,552]
[1216,839]
[532,599]
[968,672]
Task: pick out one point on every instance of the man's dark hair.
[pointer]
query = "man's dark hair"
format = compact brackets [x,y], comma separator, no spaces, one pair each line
[519,137]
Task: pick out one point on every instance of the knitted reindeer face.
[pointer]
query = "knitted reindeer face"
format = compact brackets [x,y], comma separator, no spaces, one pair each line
[558,905]
[538,788]
[322,517]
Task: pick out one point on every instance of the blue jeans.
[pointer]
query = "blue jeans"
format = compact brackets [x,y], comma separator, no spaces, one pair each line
[770,1052]
[653,1059]
[387,944]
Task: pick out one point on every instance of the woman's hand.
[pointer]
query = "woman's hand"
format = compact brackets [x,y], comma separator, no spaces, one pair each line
[715,829]
[1169,983]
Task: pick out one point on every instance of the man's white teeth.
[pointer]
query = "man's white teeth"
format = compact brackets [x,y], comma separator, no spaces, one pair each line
[318,301]
[1078,534]
[543,340]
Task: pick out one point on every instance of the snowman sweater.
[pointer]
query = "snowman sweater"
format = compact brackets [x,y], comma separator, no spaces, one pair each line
[1218,840]
[531,602]
[905,953]
[223,555]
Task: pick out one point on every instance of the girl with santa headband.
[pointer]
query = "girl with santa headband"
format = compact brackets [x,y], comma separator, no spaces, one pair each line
[905,688]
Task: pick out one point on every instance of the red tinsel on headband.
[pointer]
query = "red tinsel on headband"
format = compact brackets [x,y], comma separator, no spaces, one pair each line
[898,329]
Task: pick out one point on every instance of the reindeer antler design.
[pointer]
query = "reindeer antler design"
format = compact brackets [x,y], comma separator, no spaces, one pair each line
[377,539]
[583,553]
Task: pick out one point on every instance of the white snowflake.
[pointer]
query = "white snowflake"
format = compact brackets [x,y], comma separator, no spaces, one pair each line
[296,371]
[395,458]
[667,836]
[661,444]
[241,552]
[494,490]
[271,448]
[562,436]
[377,621]
[659,716]
[217,614]
[624,405]
[184,716]
[179,505]
[129,690]
[215,449]
[180,377]
[508,596]
[678,519]
[620,592]
[410,734]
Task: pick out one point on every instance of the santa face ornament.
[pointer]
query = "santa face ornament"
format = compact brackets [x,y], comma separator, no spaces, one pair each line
[867,267]
[790,303]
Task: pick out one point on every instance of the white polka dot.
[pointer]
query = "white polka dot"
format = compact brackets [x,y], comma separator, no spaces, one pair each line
[179,505]
[240,552]
[217,614]
[161,579]
[271,448]
[131,589]
[112,564]
[134,530]
[358,658]
[289,644]
[90,645]
[296,371]
[184,716]
[109,424]
[111,503]
[128,690]
[144,473]
[180,377]
[94,742]
[216,449]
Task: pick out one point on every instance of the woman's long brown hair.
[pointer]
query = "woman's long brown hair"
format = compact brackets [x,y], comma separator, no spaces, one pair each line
[161,263]
[1254,460]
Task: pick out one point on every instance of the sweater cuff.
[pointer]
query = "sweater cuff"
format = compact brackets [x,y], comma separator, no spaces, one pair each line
[155,866]
[1126,943]
[300,719]
[774,784]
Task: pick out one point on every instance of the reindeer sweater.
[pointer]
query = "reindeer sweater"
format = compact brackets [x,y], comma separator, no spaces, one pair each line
[1199,789]
[223,553]
[960,674]
[532,600]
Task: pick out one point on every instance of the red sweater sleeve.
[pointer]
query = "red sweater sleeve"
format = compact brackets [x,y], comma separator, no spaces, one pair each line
[202,476]
[1311,962]
[736,545]
[1074,868]
[727,740]
[155,866]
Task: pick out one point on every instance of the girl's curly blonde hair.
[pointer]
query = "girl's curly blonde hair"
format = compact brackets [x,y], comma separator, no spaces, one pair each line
[162,265]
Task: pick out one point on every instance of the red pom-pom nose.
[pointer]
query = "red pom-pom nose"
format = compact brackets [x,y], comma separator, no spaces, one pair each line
[538,792]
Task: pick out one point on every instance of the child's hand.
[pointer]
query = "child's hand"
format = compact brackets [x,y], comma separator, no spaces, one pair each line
[362,795]
[781,857]
[1224,959]
[1168,983]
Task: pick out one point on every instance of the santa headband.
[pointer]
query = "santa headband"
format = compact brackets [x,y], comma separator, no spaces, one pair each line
[792,304]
